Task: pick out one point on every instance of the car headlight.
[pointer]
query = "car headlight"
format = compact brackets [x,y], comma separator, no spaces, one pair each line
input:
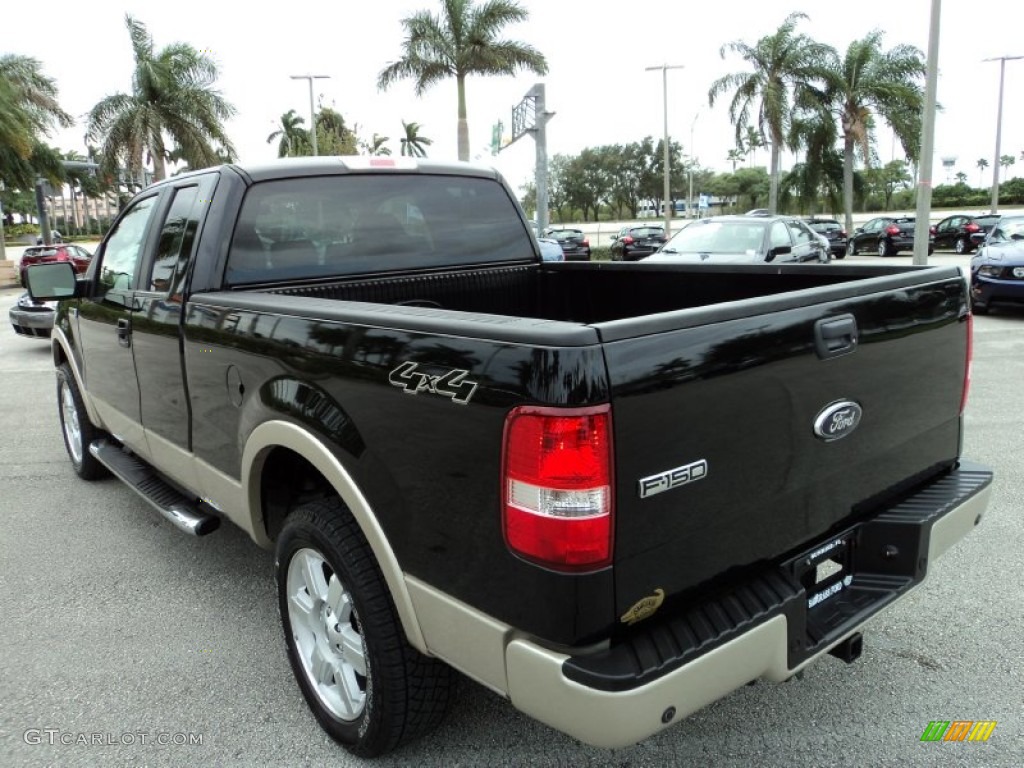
[989,271]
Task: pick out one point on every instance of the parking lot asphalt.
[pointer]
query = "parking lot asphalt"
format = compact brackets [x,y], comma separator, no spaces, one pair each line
[115,627]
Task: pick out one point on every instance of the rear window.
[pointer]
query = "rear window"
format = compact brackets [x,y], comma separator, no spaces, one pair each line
[339,225]
[647,232]
[823,226]
[986,221]
[562,235]
[39,252]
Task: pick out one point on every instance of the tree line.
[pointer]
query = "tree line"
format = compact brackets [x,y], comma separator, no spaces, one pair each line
[795,94]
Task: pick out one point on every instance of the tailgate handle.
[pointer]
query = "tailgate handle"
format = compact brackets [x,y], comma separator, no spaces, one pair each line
[835,336]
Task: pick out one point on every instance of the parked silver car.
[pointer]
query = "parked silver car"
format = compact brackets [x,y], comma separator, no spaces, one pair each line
[744,240]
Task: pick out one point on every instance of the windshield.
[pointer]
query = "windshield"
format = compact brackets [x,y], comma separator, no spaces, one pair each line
[1009,228]
[718,237]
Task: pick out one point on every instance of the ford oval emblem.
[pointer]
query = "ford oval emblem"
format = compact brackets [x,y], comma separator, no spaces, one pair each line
[837,420]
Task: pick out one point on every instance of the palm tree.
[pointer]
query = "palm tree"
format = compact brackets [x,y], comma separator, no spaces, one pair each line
[1005,161]
[750,143]
[378,145]
[961,178]
[412,143]
[867,82]
[814,131]
[172,102]
[461,41]
[291,137]
[982,165]
[735,156]
[784,64]
[28,112]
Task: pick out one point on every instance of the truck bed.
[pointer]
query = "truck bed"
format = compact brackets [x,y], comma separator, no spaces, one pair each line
[595,292]
[712,364]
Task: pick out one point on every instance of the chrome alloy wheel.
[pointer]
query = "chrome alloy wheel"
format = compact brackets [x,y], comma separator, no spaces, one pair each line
[327,634]
[72,429]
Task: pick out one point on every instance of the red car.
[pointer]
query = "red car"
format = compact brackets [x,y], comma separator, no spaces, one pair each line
[44,254]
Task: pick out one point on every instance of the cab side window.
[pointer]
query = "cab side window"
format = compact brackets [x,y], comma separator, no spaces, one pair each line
[123,249]
[175,245]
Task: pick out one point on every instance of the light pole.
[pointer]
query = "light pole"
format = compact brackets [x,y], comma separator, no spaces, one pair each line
[999,127]
[922,223]
[664,97]
[693,159]
[312,110]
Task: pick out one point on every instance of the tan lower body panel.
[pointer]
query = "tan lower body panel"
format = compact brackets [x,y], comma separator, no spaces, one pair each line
[468,640]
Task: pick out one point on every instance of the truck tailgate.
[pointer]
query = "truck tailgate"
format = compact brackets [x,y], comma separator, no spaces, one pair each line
[718,463]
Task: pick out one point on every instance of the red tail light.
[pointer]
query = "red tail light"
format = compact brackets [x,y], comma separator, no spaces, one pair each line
[842,233]
[970,362]
[972,227]
[892,229]
[586,243]
[557,494]
[932,230]
[627,240]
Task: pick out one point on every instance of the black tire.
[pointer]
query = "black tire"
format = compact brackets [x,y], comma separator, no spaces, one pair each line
[961,246]
[979,309]
[401,694]
[75,427]
[851,248]
[884,249]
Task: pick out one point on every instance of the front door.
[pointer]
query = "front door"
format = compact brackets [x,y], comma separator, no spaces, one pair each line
[105,324]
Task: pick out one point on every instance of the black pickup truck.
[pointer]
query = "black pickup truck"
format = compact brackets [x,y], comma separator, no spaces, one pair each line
[610,492]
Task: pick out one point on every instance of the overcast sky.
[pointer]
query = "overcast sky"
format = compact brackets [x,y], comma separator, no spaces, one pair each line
[597,52]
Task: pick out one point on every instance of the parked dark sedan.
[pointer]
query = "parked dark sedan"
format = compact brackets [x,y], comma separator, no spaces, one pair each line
[886,236]
[574,243]
[833,232]
[44,254]
[632,243]
[744,240]
[997,269]
[961,233]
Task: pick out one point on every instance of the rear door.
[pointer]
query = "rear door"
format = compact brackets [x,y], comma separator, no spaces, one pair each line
[164,408]
[719,467]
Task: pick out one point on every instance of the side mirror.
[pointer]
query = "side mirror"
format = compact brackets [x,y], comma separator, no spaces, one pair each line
[52,282]
[780,250]
[858,230]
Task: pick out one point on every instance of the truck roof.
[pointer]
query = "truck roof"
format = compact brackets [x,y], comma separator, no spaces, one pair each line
[291,167]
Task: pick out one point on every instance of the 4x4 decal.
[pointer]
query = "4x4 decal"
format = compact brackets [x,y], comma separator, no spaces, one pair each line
[452,384]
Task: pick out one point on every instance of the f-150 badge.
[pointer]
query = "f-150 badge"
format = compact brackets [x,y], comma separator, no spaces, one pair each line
[644,607]
[452,384]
